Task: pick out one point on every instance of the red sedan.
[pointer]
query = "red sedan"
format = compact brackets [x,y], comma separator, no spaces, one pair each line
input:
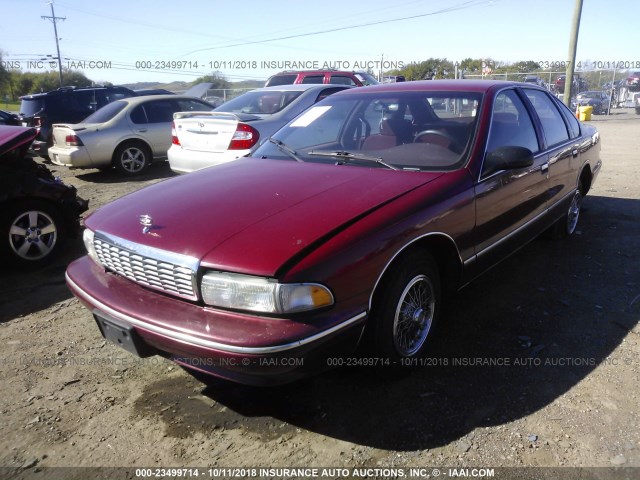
[346,228]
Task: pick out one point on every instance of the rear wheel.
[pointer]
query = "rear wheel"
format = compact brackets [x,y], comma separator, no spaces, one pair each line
[132,158]
[407,308]
[30,233]
[567,224]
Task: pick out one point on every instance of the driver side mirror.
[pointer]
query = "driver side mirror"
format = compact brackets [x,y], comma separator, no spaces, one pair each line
[507,158]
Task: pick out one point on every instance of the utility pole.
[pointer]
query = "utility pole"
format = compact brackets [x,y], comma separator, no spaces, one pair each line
[573,45]
[53,19]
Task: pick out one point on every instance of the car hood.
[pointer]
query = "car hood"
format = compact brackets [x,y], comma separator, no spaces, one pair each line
[253,215]
[12,137]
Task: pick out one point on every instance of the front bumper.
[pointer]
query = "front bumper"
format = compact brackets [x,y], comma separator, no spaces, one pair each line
[239,347]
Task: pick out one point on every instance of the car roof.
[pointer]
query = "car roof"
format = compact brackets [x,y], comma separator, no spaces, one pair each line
[298,87]
[480,86]
[319,71]
[146,98]
[65,90]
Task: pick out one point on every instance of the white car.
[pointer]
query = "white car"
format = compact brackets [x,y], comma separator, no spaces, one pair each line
[127,134]
[239,126]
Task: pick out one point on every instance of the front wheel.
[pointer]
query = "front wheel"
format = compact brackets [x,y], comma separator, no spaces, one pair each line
[30,233]
[407,307]
[132,158]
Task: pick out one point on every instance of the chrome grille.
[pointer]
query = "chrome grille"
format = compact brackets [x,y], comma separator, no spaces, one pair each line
[154,268]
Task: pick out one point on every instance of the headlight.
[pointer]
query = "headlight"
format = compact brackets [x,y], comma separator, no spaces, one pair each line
[87,238]
[258,294]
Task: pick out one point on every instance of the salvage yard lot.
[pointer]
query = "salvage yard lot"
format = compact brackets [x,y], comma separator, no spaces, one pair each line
[539,365]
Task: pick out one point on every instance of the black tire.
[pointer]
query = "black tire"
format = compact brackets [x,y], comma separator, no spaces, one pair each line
[567,224]
[31,233]
[406,308]
[131,158]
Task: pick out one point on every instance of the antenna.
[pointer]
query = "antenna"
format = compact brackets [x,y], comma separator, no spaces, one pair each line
[53,19]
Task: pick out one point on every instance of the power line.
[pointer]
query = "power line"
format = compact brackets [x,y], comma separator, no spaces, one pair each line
[53,18]
[461,6]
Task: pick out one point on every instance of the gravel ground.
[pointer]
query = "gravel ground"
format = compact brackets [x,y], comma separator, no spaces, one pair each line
[538,366]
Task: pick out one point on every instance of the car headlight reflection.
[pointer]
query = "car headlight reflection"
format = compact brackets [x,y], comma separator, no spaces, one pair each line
[259,294]
[87,238]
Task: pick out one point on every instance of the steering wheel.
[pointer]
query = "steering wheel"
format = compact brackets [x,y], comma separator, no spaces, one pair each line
[444,139]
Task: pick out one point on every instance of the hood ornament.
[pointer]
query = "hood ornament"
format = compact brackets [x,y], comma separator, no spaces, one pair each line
[147,222]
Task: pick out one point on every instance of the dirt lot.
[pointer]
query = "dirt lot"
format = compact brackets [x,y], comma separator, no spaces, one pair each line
[561,316]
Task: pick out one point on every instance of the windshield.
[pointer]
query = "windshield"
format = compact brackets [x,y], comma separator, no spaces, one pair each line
[260,102]
[105,113]
[403,131]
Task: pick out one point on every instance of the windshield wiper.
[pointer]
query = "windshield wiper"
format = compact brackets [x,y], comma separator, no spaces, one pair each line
[283,147]
[346,157]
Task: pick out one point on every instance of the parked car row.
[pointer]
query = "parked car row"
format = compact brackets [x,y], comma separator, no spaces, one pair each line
[347,229]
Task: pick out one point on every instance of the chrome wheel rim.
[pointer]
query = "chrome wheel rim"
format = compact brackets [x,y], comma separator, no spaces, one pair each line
[414,316]
[33,235]
[133,160]
[574,212]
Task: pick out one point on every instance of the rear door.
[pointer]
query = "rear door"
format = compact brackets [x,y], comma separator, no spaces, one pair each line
[152,121]
[561,137]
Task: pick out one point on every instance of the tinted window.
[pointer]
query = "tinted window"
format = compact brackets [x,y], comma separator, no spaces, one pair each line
[555,130]
[572,121]
[313,79]
[106,113]
[85,101]
[281,80]
[138,115]
[511,125]
[31,107]
[193,105]
[341,80]
[160,111]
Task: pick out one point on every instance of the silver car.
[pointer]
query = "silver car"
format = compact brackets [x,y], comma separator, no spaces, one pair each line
[127,134]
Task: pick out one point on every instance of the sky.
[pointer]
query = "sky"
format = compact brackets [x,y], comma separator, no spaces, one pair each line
[163,41]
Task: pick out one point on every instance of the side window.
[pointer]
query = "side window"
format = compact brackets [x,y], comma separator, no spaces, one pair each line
[341,80]
[555,130]
[138,115]
[511,124]
[83,101]
[160,111]
[313,79]
[572,121]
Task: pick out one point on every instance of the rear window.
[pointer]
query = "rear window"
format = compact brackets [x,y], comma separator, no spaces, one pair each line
[260,102]
[106,113]
[281,80]
[30,107]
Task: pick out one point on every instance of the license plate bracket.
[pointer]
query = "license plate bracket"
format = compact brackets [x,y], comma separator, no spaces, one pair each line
[122,335]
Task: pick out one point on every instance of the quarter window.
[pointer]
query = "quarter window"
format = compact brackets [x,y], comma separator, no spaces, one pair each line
[555,130]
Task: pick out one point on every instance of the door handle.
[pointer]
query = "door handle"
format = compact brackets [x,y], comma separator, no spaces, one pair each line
[544,168]
[142,130]
[575,150]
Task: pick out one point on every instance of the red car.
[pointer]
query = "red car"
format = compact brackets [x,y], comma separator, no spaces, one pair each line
[346,228]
